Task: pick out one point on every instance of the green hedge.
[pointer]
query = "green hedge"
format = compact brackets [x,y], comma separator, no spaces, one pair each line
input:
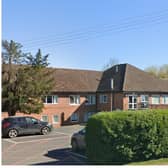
[122,137]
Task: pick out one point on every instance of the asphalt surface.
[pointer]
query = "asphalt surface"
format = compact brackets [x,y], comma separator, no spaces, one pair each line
[51,149]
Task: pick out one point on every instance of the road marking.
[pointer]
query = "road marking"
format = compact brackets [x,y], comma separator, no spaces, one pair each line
[23,161]
[37,140]
[25,139]
[9,140]
[10,147]
[62,133]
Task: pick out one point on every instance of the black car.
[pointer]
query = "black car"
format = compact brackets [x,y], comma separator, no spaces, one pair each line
[14,126]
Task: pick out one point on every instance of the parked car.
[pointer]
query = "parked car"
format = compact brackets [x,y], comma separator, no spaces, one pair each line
[14,126]
[78,140]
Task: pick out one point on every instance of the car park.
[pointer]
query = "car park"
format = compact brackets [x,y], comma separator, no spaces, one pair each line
[78,140]
[19,125]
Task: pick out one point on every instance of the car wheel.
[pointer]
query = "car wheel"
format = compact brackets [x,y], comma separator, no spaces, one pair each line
[44,130]
[74,145]
[12,133]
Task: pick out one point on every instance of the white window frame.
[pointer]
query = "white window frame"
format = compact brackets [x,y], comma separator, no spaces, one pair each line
[102,98]
[91,99]
[112,83]
[133,104]
[76,98]
[163,99]
[76,117]
[144,101]
[54,97]
[154,96]
[117,68]
[55,122]
[44,116]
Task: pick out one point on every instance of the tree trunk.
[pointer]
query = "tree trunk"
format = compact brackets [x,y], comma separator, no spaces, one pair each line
[11,113]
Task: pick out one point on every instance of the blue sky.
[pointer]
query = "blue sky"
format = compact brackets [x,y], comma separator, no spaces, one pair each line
[85,34]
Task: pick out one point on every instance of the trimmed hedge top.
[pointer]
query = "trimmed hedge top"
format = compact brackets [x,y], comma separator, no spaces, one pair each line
[123,136]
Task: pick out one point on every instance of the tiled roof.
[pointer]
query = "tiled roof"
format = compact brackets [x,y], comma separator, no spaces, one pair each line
[70,80]
[138,80]
[125,77]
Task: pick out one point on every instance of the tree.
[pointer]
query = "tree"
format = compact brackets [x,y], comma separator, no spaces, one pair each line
[12,55]
[163,71]
[111,62]
[38,81]
[25,79]
[160,72]
[153,70]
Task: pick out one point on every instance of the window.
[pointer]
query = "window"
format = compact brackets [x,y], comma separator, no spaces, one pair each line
[74,99]
[21,120]
[74,117]
[87,116]
[112,83]
[155,99]
[103,98]
[53,99]
[55,119]
[90,99]
[44,118]
[31,120]
[132,102]
[165,99]
[116,68]
[144,101]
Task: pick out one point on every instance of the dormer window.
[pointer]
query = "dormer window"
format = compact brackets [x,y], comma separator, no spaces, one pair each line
[112,83]
[116,68]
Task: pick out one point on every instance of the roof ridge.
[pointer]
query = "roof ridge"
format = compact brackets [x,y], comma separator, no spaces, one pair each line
[72,69]
[124,80]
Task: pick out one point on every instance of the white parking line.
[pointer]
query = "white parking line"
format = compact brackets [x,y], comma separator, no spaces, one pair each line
[63,133]
[36,140]
[9,140]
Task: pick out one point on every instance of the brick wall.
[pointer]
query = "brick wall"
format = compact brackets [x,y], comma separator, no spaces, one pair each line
[104,106]
[118,101]
[63,109]
[125,103]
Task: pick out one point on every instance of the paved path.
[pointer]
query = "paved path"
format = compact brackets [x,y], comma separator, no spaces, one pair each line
[51,149]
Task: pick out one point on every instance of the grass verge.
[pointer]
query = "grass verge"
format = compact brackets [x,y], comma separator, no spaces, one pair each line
[163,161]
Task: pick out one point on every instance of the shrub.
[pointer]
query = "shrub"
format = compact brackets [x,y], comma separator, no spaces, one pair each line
[122,137]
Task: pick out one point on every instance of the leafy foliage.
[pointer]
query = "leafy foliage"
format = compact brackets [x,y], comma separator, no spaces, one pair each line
[122,137]
[160,72]
[25,79]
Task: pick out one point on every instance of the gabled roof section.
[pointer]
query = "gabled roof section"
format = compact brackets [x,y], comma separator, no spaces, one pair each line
[138,80]
[115,73]
[70,80]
